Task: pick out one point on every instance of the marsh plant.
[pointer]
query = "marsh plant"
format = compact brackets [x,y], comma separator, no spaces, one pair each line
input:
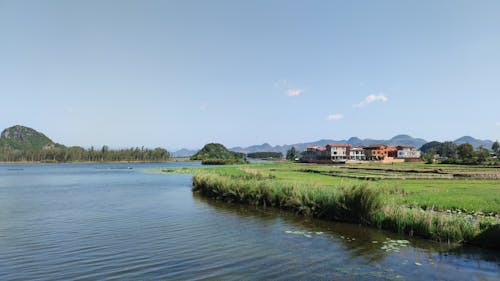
[350,203]
[363,203]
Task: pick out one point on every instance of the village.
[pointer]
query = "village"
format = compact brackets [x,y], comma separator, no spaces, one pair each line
[343,153]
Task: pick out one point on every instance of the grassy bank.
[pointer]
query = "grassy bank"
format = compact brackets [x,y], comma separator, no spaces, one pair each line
[454,210]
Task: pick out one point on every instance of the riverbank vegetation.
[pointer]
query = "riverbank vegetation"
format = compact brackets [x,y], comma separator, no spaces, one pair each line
[443,202]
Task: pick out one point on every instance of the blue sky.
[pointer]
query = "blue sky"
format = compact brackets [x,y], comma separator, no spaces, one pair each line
[183,73]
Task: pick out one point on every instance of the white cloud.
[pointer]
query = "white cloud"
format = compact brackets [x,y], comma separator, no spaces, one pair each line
[334,117]
[288,88]
[371,98]
[498,123]
[294,92]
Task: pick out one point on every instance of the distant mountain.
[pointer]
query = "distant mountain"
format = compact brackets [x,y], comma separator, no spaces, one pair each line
[355,141]
[181,153]
[24,138]
[406,139]
[476,143]
[255,148]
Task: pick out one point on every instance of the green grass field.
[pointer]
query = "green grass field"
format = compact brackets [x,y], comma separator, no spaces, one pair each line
[457,194]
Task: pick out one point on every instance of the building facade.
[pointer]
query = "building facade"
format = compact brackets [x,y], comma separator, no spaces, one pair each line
[357,153]
[407,152]
[344,152]
[338,152]
[380,152]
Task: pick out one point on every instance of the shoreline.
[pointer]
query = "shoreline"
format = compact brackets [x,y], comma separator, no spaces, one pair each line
[95,162]
[285,187]
[357,206]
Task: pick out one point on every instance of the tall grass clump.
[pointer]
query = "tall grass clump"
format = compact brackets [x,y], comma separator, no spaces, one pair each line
[357,203]
[440,226]
[360,203]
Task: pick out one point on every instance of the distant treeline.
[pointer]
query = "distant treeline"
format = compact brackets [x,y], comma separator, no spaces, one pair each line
[449,153]
[61,153]
[264,155]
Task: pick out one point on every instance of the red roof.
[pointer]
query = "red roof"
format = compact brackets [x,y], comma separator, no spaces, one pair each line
[376,146]
[339,145]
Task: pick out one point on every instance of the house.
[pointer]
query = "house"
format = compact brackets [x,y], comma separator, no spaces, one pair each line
[407,152]
[338,151]
[341,153]
[380,152]
[314,153]
[357,153]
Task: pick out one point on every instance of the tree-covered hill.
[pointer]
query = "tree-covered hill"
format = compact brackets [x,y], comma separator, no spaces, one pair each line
[216,153]
[19,143]
[24,138]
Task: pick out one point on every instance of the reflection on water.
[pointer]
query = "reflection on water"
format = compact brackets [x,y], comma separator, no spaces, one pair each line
[109,221]
[372,244]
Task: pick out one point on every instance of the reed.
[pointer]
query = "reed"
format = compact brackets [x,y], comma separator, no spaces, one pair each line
[348,203]
[361,203]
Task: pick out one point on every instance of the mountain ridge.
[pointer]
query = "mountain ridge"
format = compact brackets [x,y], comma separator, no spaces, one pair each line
[24,138]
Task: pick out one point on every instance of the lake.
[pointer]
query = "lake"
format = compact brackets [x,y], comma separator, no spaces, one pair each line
[118,222]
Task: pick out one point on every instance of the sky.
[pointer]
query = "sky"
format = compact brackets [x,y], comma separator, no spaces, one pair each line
[178,74]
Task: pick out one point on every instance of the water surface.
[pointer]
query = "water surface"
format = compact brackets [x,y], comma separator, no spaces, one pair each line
[117,222]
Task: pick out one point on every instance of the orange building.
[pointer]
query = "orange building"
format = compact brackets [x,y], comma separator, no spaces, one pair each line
[380,152]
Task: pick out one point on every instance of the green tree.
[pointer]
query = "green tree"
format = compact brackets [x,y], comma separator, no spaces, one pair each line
[291,154]
[465,152]
[435,145]
[482,155]
[496,148]
[428,156]
[448,149]
[104,152]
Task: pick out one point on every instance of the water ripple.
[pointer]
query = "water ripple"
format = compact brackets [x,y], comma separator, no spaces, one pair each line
[80,223]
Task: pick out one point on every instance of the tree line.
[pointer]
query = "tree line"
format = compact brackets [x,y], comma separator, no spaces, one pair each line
[449,153]
[79,154]
[265,155]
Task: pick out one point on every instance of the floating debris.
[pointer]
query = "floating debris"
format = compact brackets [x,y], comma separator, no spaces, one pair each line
[307,234]
[418,264]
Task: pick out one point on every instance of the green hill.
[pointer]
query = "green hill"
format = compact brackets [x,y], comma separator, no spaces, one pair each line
[218,154]
[23,144]
[24,138]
